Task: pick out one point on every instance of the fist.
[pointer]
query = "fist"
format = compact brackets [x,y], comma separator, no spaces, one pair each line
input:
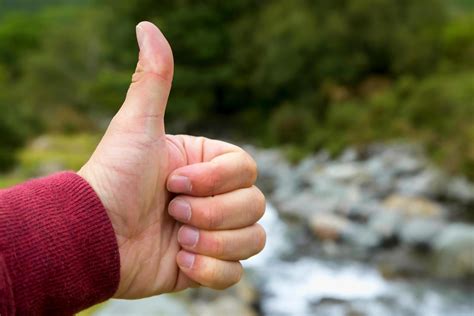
[183,208]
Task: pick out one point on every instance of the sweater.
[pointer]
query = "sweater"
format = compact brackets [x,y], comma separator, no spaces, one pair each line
[58,251]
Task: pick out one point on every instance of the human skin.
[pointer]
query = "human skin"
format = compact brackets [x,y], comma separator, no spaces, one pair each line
[183,208]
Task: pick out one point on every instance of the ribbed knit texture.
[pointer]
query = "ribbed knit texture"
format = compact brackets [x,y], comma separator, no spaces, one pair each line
[58,251]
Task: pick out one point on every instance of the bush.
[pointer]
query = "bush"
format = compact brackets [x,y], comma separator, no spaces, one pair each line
[437,112]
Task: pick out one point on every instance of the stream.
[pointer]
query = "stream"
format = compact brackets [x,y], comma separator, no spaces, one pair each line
[308,285]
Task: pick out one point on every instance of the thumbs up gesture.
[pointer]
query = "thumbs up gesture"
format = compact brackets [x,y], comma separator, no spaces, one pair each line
[183,208]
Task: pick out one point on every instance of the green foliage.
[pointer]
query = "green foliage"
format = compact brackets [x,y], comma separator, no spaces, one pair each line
[437,112]
[458,41]
[51,153]
[56,152]
[291,124]
[294,73]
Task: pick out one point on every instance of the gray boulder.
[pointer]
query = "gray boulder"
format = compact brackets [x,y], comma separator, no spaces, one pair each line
[385,223]
[460,189]
[420,232]
[361,237]
[455,251]
[305,204]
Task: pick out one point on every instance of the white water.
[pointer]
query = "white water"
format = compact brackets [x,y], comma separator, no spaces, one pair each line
[295,288]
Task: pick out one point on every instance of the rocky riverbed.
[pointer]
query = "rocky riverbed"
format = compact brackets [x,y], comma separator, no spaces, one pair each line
[373,232]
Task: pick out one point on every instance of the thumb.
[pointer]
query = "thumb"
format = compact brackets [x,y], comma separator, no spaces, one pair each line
[151,83]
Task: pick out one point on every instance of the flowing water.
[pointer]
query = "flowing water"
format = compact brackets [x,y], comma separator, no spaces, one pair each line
[311,286]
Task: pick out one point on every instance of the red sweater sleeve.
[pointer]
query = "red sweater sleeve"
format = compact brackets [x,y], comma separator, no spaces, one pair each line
[58,251]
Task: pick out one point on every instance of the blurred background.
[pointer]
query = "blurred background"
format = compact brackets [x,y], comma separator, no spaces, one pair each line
[360,114]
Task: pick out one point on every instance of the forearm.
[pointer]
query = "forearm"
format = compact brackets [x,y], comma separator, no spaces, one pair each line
[58,252]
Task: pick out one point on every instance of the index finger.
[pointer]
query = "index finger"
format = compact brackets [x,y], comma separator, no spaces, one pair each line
[222,174]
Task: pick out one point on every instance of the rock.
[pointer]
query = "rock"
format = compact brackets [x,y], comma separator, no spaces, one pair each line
[246,292]
[430,183]
[389,162]
[328,226]
[237,300]
[361,236]
[345,172]
[349,155]
[393,151]
[362,211]
[342,195]
[310,165]
[402,262]
[305,204]
[382,181]
[413,206]
[398,159]
[420,232]
[454,251]
[385,223]
[330,248]
[461,190]
[283,193]
[272,167]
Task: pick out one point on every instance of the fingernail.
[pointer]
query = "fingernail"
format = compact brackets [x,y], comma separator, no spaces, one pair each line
[141,34]
[180,210]
[188,236]
[186,259]
[180,184]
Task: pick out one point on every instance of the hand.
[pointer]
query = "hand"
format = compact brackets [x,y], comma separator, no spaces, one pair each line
[150,183]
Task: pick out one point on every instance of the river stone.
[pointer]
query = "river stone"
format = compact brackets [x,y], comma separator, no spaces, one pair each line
[328,226]
[361,236]
[430,182]
[413,206]
[305,204]
[362,211]
[455,251]
[345,172]
[246,292]
[385,223]
[420,232]
[271,170]
[283,193]
[309,166]
[460,189]
[349,155]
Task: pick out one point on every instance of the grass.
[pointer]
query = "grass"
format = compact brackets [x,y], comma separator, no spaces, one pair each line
[50,153]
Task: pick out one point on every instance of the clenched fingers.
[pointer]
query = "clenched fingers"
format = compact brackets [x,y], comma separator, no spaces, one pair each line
[211,272]
[238,244]
[236,209]
[225,173]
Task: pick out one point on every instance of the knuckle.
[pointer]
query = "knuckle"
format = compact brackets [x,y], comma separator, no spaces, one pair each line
[251,167]
[207,217]
[261,200]
[218,246]
[152,78]
[212,216]
[214,176]
[212,274]
[234,274]
[260,238]
[239,271]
